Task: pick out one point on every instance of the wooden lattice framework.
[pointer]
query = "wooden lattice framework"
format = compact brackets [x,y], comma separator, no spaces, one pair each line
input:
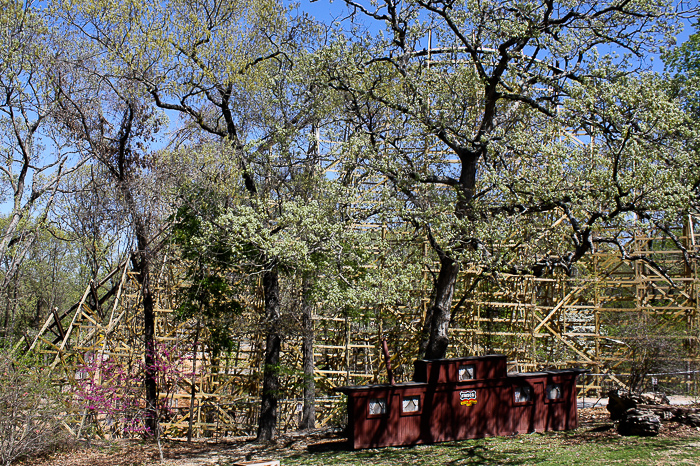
[561,321]
[538,322]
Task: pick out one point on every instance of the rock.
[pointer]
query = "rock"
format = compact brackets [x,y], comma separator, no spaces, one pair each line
[688,418]
[654,398]
[641,422]
[620,402]
[682,414]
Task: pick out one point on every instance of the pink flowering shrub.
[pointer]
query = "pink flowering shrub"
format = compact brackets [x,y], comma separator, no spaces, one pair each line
[112,390]
[106,389]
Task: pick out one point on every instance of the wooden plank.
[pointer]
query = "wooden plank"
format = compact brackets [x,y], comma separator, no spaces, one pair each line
[561,303]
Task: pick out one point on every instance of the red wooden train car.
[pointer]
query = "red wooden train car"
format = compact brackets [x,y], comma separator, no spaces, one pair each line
[461,398]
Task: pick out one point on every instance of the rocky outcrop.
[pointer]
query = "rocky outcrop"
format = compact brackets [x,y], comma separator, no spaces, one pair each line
[621,402]
[680,414]
[637,421]
[642,414]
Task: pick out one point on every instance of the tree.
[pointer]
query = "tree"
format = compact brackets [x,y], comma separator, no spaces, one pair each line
[111,124]
[223,238]
[35,156]
[544,108]
[90,214]
[48,278]
[230,70]
[684,61]
[684,85]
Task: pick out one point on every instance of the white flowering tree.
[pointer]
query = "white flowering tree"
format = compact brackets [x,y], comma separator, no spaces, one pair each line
[487,116]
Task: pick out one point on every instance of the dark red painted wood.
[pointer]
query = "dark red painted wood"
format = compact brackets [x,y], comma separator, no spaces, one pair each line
[452,409]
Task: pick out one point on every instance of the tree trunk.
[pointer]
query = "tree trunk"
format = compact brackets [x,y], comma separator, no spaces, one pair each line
[435,340]
[149,327]
[308,417]
[193,387]
[267,425]
[141,265]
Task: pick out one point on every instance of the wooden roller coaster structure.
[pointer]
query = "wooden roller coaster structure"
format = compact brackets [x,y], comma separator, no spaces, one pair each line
[546,322]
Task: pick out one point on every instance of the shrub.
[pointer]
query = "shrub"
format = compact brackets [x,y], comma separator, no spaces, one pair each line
[30,410]
[112,392]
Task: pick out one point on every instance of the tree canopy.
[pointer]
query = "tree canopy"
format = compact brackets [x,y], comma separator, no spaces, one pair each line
[275,151]
[483,116]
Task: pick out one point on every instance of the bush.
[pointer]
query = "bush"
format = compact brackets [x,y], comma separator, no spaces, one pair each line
[111,390]
[30,410]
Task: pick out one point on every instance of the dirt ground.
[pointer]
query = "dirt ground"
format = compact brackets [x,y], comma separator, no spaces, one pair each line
[178,452]
[594,424]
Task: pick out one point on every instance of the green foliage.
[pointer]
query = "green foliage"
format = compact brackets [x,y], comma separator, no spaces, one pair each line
[224,235]
[684,61]
[48,277]
[208,294]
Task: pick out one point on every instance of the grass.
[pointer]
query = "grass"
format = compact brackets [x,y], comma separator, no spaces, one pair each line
[562,448]
[596,442]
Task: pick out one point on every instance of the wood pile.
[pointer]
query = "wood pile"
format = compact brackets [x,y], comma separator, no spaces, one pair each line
[643,414]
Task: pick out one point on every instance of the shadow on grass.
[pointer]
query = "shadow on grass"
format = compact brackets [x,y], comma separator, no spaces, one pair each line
[599,445]
[467,452]
[326,447]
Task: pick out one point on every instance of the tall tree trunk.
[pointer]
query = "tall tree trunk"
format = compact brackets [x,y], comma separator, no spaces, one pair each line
[193,385]
[308,417]
[434,340]
[141,264]
[267,425]
[149,327]
[434,336]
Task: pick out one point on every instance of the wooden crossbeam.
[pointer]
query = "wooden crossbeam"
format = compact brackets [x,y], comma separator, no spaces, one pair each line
[563,302]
